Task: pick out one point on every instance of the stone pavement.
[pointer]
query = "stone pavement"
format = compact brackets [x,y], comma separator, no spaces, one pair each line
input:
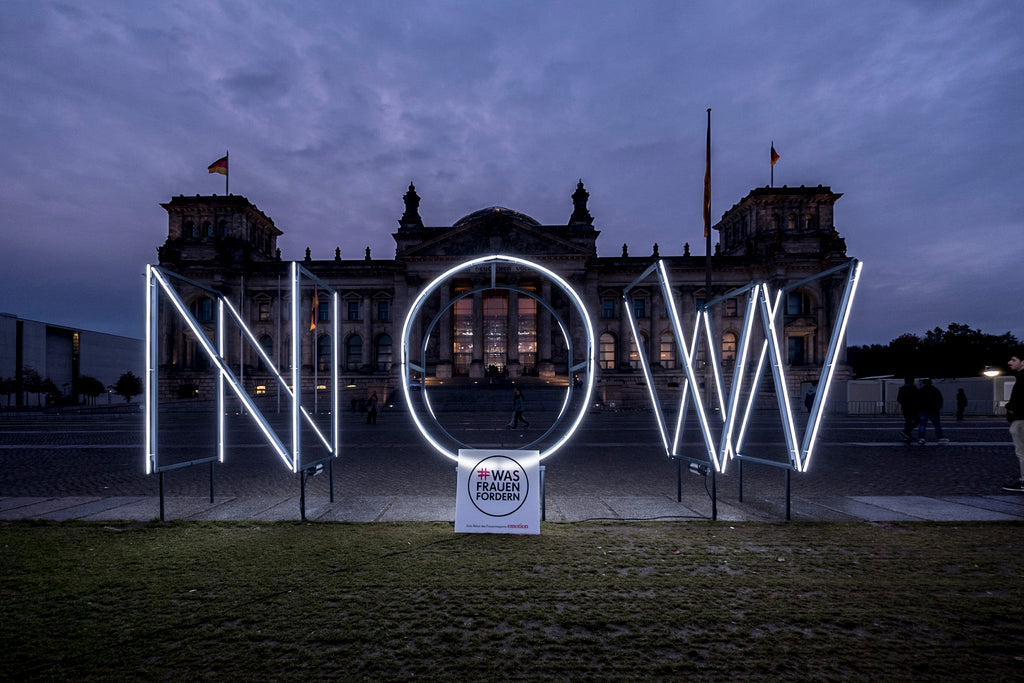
[77,467]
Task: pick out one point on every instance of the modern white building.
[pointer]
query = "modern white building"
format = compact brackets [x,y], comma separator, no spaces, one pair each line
[63,355]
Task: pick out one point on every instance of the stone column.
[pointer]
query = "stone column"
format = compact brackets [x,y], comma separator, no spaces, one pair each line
[367,332]
[444,334]
[545,367]
[476,367]
[657,306]
[512,338]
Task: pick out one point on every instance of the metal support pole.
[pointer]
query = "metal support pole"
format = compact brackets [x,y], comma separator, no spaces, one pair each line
[211,482]
[543,500]
[161,496]
[787,496]
[302,494]
[739,470]
[714,494]
[330,474]
[679,480]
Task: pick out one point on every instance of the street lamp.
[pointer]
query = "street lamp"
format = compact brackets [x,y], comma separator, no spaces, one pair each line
[992,372]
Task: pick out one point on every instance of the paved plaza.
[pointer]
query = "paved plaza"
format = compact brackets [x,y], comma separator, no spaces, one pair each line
[91,467]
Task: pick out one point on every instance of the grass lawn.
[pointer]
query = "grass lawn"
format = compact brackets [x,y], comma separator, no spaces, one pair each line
[679,601]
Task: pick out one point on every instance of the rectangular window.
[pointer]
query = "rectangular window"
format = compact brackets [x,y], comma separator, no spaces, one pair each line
[731,309]
[639,308]
[383,310]
[263,311]
[796,350]
[323,311]
[353,310]
[797,303]
[608,308]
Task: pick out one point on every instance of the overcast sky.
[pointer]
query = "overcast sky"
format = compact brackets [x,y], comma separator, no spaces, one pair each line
[913,110]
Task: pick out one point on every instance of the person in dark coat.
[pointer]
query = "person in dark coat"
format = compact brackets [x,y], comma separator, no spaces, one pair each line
[907,398]
[961,404]
[929,405]
[1015,416]
[518,404]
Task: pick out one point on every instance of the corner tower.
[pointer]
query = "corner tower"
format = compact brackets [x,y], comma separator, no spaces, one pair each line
[217,230]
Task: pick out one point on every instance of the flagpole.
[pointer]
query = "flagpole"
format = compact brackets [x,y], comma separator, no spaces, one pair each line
[707,288]
[707,215]
[227,172]
[772,165]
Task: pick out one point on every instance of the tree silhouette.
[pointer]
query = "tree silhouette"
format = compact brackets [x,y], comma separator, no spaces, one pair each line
[128,385]
[31,383]
[957,351]
[90,387]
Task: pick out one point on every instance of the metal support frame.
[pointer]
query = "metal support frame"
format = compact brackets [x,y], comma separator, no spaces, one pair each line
[760,305]
[157,280]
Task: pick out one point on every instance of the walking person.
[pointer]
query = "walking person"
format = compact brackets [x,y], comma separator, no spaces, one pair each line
[517,410]
[961,404]
[1015,416]
[929,405]
[907,398]
[371,413]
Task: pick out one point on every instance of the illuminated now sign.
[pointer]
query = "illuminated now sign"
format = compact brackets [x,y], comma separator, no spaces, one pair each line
[762,306]
[158,281]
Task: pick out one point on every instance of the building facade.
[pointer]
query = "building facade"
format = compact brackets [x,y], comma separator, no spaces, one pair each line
[776,235]
[63,355]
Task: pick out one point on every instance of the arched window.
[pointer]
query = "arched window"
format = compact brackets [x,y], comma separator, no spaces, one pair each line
[667,351]
[606,351]
[267,344]
[383,362]
[634,353]
[729,347]
[323,353]
[354,353]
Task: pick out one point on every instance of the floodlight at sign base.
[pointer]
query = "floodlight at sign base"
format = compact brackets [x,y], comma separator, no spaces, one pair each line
[406,362]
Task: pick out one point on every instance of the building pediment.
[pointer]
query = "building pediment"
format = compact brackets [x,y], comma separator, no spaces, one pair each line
[491,231]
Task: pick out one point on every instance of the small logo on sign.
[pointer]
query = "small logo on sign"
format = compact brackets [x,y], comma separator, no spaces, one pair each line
[498,486]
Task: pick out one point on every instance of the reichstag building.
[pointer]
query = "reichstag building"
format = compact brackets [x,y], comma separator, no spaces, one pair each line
[776,235]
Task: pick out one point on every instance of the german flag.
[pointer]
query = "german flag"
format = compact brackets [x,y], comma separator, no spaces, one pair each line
[219,166]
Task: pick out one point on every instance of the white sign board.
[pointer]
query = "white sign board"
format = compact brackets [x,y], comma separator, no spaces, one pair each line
[498,492]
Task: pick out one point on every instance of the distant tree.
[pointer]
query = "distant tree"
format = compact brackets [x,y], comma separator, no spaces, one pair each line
[51,390]
[91,388]
[7,387]
[128,385]
[957,351]
[31,383]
